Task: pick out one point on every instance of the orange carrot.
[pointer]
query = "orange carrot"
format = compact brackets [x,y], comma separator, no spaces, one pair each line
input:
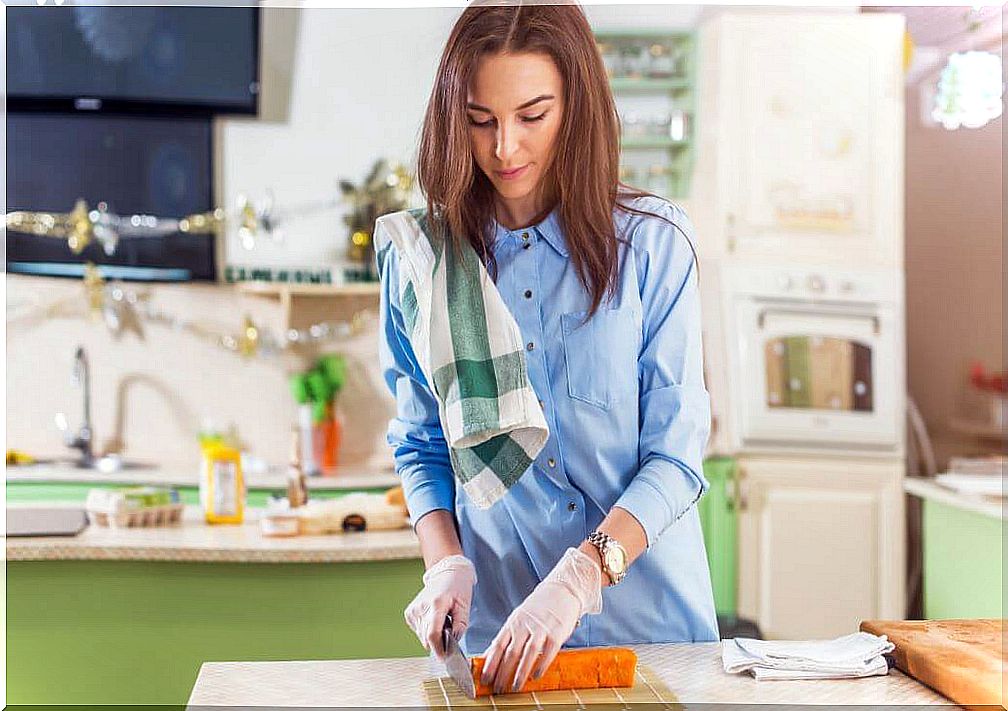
[584,668]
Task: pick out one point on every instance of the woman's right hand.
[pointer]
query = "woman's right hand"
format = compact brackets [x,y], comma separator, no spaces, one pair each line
[447,590]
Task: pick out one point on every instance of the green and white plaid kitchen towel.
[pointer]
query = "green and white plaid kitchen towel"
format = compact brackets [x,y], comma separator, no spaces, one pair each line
[470,350]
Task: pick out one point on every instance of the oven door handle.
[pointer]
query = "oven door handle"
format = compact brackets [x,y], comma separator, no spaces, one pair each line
[761,316]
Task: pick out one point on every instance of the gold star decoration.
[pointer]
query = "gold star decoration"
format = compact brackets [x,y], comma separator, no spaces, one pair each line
[94,289]
[79,227]
[248,341]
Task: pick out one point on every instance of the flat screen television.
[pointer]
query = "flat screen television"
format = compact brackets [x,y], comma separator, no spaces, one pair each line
[150,59]
[150,165]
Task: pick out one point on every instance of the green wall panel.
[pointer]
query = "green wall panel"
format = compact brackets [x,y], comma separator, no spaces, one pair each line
[41,492]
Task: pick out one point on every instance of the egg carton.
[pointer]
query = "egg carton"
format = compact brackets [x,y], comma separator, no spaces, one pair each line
[136,507]
[138,518]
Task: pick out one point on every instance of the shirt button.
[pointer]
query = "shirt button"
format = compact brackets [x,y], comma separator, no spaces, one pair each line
[528,293]
[551,462]
[526,245]
[572,506]
[525,236]
[530,346]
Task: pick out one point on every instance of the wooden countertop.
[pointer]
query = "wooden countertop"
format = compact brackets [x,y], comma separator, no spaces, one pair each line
[693,673]
[195,541]
[346,478]
[929,489]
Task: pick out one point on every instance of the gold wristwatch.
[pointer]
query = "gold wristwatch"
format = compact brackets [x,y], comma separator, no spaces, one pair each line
[614,556]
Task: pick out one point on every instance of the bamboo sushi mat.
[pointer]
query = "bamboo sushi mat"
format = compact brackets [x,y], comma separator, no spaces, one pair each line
[647,692]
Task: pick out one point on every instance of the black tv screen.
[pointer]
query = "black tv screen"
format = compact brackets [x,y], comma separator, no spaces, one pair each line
[151,165]
[145,58]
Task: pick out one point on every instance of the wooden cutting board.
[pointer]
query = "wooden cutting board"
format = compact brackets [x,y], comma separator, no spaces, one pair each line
[962,659]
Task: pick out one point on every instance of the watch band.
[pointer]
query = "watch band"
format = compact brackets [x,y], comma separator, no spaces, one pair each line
[602,541]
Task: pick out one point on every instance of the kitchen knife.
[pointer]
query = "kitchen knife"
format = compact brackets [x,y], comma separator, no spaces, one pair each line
[458,666]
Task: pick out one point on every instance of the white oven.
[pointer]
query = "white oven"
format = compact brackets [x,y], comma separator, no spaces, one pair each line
[812,359]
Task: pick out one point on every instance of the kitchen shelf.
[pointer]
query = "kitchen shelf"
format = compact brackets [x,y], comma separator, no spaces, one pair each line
[303,305]
[631,82]
[286,290]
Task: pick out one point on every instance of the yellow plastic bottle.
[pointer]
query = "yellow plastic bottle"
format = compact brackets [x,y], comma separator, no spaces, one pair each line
[222,488]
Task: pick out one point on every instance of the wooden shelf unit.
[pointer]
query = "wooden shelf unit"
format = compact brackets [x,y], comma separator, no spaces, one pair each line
[680,88]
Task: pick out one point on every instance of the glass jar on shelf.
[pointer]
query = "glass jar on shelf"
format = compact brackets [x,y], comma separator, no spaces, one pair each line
[633,124]
[633,61]
[659,125]
[661,65]
[611,59]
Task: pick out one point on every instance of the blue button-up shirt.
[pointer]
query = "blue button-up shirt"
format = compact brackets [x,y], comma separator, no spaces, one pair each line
[629,417]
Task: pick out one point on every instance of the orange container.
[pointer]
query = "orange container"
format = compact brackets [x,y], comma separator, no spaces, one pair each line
[327,438]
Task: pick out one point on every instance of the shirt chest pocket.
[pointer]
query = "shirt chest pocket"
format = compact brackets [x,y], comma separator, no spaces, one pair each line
[601,355]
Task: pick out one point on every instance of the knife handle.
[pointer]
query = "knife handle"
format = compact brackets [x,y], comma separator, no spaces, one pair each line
[446,630]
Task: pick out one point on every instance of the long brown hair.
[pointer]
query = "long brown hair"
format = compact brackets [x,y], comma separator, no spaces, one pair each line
[584,173]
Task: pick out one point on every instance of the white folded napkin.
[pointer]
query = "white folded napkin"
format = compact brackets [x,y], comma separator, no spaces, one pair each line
[855,655]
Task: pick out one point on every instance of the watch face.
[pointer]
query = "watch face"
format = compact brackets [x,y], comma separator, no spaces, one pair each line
[615,560]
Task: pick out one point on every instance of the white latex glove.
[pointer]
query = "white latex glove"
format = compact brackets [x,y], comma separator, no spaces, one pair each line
[534,632]
[447,589]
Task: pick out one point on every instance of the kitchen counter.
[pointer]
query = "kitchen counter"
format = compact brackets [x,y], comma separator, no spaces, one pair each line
[693,673]
[195,541]
[931,490]
[345,478]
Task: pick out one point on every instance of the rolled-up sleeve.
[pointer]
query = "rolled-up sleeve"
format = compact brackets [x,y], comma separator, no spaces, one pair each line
[419,448]
[674,402]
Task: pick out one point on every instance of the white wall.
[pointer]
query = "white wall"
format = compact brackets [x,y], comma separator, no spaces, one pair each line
[358,84]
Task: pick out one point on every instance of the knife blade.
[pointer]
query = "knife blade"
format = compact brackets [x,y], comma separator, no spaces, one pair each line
[459,668]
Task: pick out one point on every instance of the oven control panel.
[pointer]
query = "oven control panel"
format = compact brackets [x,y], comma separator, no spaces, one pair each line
[814,283]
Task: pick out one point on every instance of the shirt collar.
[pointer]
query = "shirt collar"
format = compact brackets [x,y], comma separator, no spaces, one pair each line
[548,228]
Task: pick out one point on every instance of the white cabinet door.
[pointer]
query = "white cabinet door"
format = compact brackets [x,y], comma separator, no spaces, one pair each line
[820,545]
[804,135]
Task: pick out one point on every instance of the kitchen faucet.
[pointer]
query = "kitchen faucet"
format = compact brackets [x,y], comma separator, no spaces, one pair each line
[111,460]
[83,440]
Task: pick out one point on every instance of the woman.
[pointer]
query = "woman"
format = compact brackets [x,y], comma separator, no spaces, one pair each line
[519,154]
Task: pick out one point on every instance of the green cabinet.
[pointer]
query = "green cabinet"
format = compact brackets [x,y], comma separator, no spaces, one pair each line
[136,632]
[963,562]
[718,520]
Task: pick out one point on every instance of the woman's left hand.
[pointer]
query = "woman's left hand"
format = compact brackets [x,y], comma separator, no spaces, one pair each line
[535,630]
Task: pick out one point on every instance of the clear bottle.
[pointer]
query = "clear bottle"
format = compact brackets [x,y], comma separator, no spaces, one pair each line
[297,482]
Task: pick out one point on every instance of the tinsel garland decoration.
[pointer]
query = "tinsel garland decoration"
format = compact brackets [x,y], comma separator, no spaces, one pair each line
[126,310]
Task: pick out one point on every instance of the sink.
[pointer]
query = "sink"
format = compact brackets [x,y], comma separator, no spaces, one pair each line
[108,464]
[114,463]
